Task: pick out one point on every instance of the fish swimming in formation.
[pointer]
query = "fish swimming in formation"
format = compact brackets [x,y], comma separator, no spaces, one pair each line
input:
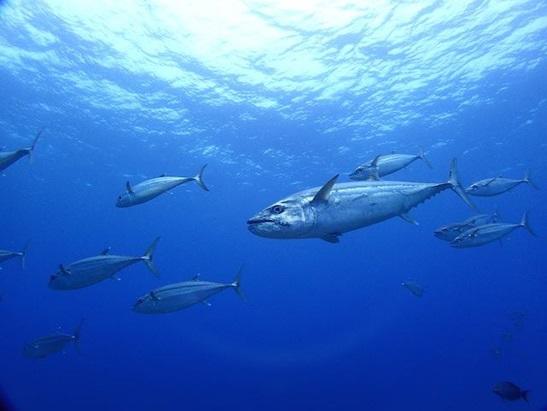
[487,233]
[45,346]
[175,297]
[386,164]
[7,158]
[414,288]
[92,270]
[150,189]
[450,231]
[8,255]
[509,391]
[496,185]
[329,211]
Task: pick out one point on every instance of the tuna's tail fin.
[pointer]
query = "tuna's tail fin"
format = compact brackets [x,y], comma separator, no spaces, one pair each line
[24,255]
[236,283]
[31,148]
[528,179]
[148,257]
[424,158]
[524,395]
[524,223]
[77,332]
[199,178]
[455,184]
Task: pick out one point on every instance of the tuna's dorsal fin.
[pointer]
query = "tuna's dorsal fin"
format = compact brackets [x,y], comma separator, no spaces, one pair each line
[63,269]
[196,277]
[408,218]
[322,196]
[332,238]
[207,303]
[128,187]
[162,175]
[106,251]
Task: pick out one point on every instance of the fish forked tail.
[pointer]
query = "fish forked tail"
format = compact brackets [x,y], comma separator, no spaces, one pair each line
[524,395]
[454,182]
[422,157]
[23,254]
[236,283]
[526,224]
[31,148]
[528,179]
[199,178]
[148,257]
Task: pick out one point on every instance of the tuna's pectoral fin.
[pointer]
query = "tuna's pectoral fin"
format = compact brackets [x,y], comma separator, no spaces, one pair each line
[129,188]
[408,218]
[454,182]
[153,296]
[373,172]
[64,270]
[331,238]
[207,303]
[322,195]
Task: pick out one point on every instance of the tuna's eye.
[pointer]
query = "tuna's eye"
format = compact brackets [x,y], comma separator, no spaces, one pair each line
[278,209]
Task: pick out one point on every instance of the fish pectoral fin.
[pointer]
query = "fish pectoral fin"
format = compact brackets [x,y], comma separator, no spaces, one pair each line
[64,270]
[128,187]
[374,170]
[332,238]
[322,196]
[207,303]
[154,296]
[408,218]
[115,277]
[490,181]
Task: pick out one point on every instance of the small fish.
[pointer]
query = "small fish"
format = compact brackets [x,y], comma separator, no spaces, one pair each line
[414,288]
[45,346]
[8,255]
[487,233]
[7,158]
[496,185]
[175,297]
[450,231]
[386,164]
[92,270]
[150,189]
[509,391]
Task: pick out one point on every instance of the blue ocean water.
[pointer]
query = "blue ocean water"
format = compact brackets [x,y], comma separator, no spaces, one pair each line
[276,97]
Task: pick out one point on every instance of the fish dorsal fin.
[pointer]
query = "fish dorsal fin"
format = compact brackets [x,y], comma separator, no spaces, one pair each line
[196,277]
[322,196]
[162,175]
[64,270]
[332,238]
[408,218]
[128,187]
[106,251]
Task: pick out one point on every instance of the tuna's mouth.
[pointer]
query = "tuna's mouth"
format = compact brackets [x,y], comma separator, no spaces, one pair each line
[257,220]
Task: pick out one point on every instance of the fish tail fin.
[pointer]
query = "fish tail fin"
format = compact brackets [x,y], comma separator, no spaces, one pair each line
[31,148]
[528,179]
[526,224]
[148,257]
[24,255]
[236,283]
[199,178]
[524,395]
[454,182]
[422,157]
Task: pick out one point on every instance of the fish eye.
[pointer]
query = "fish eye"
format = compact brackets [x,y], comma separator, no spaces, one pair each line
[278,209]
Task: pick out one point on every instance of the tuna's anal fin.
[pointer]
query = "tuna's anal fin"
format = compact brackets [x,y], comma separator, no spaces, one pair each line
[129,188]
[322,195]
[408,218]
[332,238]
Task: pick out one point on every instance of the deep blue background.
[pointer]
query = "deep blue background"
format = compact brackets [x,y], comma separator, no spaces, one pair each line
[324,326]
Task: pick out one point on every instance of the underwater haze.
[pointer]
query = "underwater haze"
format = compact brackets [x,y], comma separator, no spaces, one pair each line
[275,96]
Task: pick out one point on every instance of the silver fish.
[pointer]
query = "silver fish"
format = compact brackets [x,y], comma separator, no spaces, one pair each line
[89,271]
[333,209]
[509,391]
[8,255]
[487,233]
[45,346]
[497,185]
[150,189]
[7,158]
[386,164]
[175,297]
[450,231]
[414,288]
